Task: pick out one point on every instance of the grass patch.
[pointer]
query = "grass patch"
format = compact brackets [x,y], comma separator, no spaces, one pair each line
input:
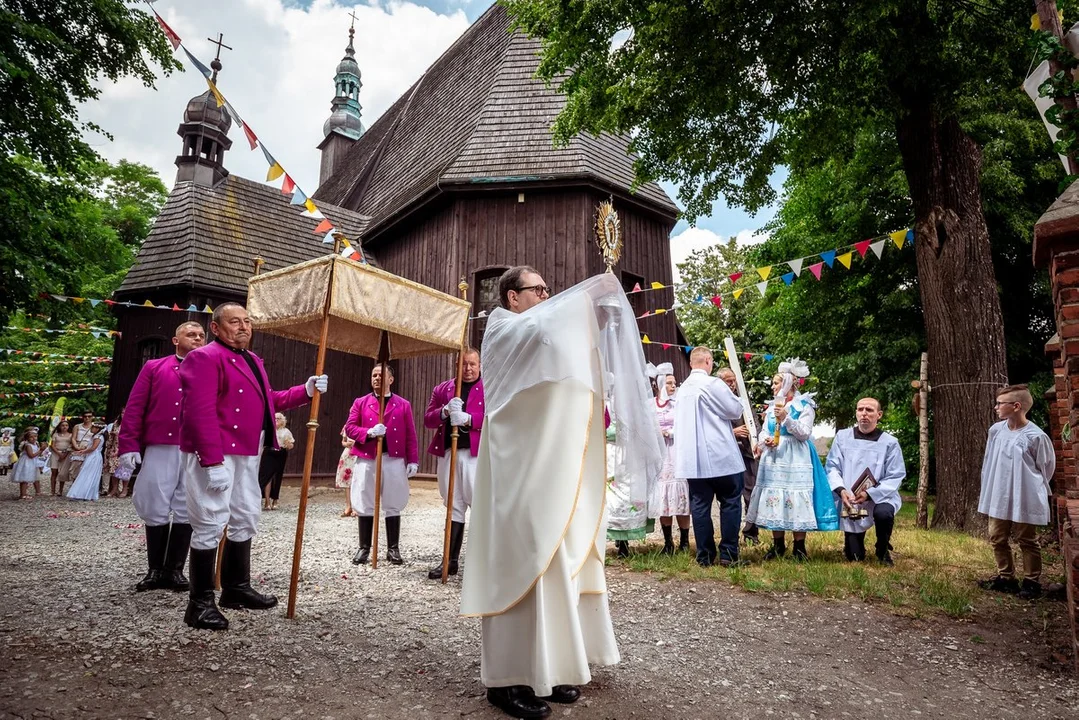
[935,571]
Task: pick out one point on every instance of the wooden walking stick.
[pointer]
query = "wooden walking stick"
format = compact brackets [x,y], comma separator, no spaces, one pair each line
[309,449]
[454,435]
[383,356]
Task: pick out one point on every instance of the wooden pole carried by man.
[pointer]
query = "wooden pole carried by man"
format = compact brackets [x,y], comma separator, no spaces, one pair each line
[455,436]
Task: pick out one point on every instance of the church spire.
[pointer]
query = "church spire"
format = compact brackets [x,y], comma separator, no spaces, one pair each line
[205,134]
[343,127]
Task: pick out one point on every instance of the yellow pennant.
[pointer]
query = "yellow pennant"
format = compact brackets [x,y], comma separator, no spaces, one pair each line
[764,272]
[658,286]
[726,354]
[660,311]
[310,205]
[148,304]
[738,293]
[645,340]
[845,259]
[898,237]
[217,93]
[77,300]
[207,309]
[275,172]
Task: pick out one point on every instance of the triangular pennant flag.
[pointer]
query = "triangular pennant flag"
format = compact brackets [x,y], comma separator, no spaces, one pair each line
[898,237]
[324,226]
[174,39]
[735,276]
[329,236]
[110,302]
[298,198]
[768,358]
[207,309]
[717,301]
[217,93]
[747,356]
[645,340]
[845,258]
[764,272]
[269,158]
[288,185]
[788,278]
[688,349]
[192,308]
[195,61]
[726,355]
[863,247]
[274,172]
[828,257]
[148,304]
[761,287]
[666,346]
[815,268]
[233,114]
[877,248]
[660,311]
[796,266]
[910,235]
[61,298]
[175,308]
[77,300]
[311,207]
[658,286]
[94,303]
[97,335]
[636,287]
[699,299]
[251,139]
[646,314]
[738,293]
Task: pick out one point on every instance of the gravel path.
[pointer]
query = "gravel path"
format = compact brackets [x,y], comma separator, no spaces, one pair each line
[77,642]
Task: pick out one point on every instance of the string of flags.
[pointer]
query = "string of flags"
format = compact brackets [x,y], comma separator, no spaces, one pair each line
[34,416]
[94,302]
[768,274]
[99,361]
[41,383]
[96,332]
[645,340]
[42,393]
[35,354]
[276,170]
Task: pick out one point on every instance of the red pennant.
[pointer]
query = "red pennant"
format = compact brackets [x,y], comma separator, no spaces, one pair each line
[636,287]
[287,186]
[324,226]
[169,32]
[815,268]
[109,302]
[735,276]
[747,356]
[717,301]
[175,307]
[665,346]
[863,246]
[251,137]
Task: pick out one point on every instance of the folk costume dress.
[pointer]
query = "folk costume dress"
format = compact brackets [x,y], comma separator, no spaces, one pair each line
[345,465]
[783,497]
[8,457]
[671,496]
[87,485]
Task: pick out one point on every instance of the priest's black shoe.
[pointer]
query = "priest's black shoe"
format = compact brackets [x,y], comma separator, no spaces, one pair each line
[236,590]
[563,694]
[202,612]
[518,701]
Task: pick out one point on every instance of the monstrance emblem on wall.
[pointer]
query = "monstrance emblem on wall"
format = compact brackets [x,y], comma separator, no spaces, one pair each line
[608,233]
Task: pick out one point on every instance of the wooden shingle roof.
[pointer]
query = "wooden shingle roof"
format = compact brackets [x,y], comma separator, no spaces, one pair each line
[477,116]
[208,238]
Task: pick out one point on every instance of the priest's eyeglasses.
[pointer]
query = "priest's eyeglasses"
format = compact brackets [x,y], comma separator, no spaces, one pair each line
[540,290]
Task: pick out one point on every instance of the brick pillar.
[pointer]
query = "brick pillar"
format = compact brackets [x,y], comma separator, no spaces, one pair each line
[1056,247]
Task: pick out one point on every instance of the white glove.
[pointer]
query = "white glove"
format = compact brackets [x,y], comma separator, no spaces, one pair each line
[315,382]
[376,432]
[220,478]
[411,469]
[455,405]
[130,460]
[460,418]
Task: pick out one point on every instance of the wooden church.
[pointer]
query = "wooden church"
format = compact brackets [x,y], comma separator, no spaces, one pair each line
[457,179]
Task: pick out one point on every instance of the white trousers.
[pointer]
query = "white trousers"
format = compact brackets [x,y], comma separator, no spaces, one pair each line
[554,632]
[463,482]
[209,511]
[159,491]
[394,486]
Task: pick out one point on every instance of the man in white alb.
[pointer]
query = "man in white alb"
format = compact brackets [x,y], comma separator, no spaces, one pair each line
[536,544]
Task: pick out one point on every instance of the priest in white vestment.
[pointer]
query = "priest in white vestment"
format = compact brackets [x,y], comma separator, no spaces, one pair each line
[537,536]
[1019,464]
[855,450]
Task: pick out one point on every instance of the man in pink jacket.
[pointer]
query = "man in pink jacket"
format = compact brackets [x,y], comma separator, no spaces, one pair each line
[228,416]
[152,426]
[400,461]
[466,414]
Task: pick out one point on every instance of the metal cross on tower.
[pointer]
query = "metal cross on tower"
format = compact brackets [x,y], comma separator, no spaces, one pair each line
[216,64]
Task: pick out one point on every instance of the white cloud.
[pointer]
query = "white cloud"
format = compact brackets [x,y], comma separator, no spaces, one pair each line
[279,77]
[692,239]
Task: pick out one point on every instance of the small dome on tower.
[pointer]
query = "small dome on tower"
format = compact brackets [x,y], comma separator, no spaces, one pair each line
[203,109]
[347,123]
[348,63]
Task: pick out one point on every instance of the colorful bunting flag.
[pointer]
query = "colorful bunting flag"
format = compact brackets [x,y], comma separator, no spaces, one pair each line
[788,278]
[658,286]
[148,304]
[828,256]
[717,301]
[845,258]
[796,266]
[173,38]
[738,293]
[863,246]
[735,277]
[636,287]
[323,226]
[298,198]
[816,268]
[311,207]
[288,185]
[768,357]
[646,341]
[910,235]
[195,61]
[898,237]
[216,93]
[251,139]
[878,248]
[274,172]
[764,272]
[761,287]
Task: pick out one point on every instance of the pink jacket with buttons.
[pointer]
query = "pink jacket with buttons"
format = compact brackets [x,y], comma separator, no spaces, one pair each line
[152,413]
[400,440]
[223,404]
[433,419]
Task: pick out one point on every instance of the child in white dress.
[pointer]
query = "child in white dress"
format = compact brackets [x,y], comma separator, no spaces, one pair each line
[87,485]
[26,468]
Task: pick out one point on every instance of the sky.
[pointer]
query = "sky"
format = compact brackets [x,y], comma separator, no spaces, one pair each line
[279,78]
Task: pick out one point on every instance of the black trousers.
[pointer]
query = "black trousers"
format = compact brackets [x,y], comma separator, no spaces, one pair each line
[271,470]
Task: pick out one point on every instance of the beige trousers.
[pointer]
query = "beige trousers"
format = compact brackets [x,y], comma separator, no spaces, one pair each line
[1025,534]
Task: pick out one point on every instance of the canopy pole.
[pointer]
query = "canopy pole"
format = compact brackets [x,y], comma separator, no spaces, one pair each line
[383,356]
[309,449]
[743,394]
[454,435]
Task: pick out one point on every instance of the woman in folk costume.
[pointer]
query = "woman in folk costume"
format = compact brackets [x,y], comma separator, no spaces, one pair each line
[670,499]
[8,455]
[789,470]
[87,485]
[26,470]
[345,466]
[111,460]
[59,461]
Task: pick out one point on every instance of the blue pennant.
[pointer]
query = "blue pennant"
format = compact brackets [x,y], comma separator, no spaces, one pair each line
[828,257]
[788,278]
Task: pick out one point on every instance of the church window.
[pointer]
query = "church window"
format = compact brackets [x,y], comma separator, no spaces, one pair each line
[150,348]
[637,301]
[486,299]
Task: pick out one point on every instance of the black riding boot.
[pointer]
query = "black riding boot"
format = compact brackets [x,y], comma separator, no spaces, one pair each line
[668,540]
[800,553]
[367,527]
[779,548]
[156,538]
[457,536]
[236,590]
[683,540]
[202,612]
[172,574]
[393,538]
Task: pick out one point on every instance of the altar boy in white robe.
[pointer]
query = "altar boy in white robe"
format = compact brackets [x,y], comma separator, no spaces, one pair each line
[1018,466]
[537,536]
[852,452]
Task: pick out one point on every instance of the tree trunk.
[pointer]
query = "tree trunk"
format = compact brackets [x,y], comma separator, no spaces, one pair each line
[963,324]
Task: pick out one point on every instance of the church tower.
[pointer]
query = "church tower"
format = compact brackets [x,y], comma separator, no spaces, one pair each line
[343,127]
[205,134]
